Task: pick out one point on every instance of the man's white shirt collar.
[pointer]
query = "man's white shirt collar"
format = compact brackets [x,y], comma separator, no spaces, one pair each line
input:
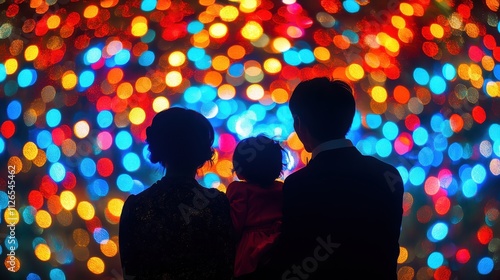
[331,145]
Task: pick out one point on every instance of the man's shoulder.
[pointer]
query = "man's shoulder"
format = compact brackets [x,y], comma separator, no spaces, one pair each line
[378,163]
[297,178]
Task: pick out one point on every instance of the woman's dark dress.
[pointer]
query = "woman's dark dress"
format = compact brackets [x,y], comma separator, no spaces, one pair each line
[177,229]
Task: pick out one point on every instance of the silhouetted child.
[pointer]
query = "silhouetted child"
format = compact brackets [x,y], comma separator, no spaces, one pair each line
[256,200]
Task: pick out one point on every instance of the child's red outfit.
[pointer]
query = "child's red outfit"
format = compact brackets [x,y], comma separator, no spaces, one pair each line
[256,213]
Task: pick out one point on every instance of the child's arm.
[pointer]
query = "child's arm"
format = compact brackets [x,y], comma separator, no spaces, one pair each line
[236,193]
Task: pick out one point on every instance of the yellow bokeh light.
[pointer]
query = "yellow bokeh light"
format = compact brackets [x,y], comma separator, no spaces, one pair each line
[218,30]
[392,45]
[91,11]
[68,200]
[224,168]
[201,39]
[30,150]
[322,53]
[81,129]
[381,38]
[493,89]
[173,78]
[137,115]
[43,219]
[95,265]
[69,80]
[176,58]
[406,9]
[139,26]
[221,63]
[403,255]
[109,248]
[143,84]
[160,103]
[85,210]
[272,65]
[31,53]
[475,72]
[125,90]
[379,94]
[294,142]
[488,63]
[115,206]
[305,156]
[226,92]
[42,252]
[11,66]
[53,21]
[255,92]
[252,30]
[248,6]
[281,44]
[477,83]
[398,22]
[463,71]
[11,216]
[228,13]
[354,72]
[437,30]
[279,96]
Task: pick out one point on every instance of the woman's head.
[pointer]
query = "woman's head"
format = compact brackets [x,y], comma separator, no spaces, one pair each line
[180,138]
[258,160]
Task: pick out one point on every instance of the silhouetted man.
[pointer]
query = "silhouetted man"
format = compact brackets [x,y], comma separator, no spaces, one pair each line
[342,212]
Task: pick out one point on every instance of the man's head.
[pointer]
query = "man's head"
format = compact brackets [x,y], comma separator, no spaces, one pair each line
[323,110]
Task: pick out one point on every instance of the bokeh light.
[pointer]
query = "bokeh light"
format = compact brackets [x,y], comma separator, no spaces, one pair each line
[81,82]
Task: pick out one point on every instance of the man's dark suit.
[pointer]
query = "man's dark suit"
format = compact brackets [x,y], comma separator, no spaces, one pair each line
[341,219]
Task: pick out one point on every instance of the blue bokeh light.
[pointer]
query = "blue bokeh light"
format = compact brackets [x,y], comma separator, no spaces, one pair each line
[14,110]
[421,76]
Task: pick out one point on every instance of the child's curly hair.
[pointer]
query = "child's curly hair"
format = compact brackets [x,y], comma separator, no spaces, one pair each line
[259,160]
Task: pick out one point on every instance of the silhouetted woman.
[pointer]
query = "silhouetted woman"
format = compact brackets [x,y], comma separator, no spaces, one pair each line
[177,229]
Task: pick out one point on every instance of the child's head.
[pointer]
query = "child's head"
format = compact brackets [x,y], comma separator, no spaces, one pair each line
[258,160]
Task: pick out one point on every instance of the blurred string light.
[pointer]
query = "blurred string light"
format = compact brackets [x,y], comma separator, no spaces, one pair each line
[81,82]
